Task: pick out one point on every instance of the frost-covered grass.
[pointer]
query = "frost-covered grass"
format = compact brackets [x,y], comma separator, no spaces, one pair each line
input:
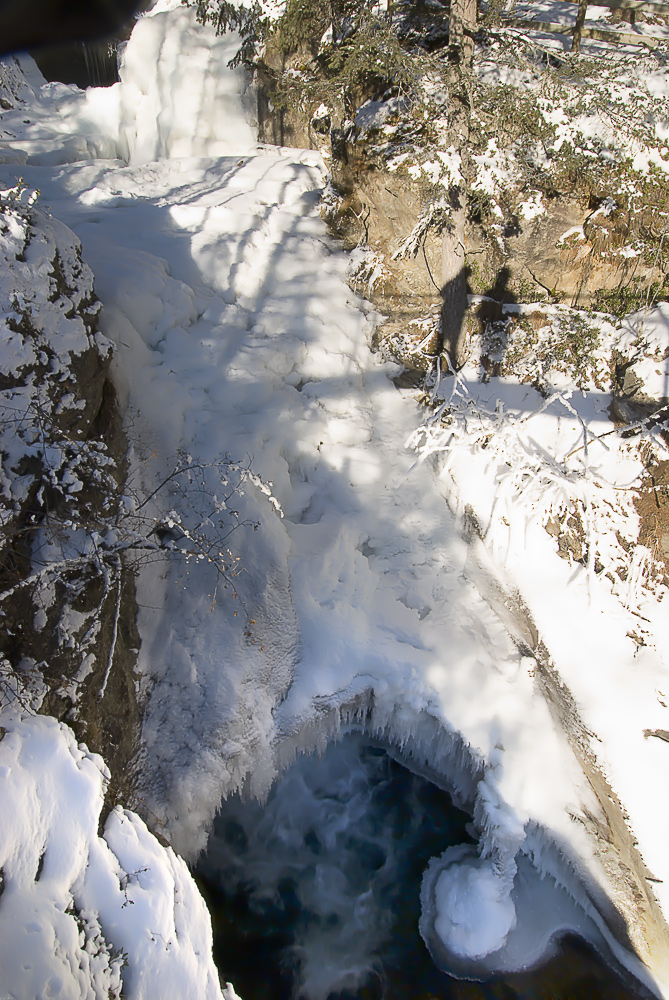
[547,442]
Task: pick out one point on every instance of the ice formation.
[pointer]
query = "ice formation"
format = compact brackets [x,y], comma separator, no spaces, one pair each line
[236,333]
[329,862]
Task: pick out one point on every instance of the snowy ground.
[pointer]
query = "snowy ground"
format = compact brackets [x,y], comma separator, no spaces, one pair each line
[237,334]
[519,461]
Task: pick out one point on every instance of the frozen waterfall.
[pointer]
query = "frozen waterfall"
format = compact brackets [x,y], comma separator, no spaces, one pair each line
[237,335]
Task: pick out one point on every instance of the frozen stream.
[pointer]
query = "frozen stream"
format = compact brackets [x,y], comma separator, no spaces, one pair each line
[237,336]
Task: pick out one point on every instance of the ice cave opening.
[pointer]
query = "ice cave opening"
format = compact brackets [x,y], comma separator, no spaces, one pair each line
[315,894]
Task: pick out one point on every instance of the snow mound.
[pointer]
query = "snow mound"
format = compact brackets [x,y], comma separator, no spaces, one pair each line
[82,914]
[474,914]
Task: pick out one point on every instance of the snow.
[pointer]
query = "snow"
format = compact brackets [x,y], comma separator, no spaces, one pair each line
[78,907]
[494,167]
[515,460]
[598,17]
[645,342]
[475,915]
[236,334]
[532,208]
[180,110]
[374,114]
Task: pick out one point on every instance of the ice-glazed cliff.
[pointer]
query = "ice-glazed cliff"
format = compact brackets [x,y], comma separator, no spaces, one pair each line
[362,598]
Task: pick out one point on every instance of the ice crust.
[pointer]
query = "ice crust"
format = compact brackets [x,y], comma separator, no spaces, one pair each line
[237,333]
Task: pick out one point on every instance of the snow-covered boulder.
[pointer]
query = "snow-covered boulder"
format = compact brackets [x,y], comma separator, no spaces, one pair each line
[84,914]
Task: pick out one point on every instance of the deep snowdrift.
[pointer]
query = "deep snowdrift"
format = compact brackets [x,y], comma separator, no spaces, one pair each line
[237,334]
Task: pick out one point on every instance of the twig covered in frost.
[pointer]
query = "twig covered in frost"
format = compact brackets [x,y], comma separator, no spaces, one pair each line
[535,473]
[112,645]
[436,217]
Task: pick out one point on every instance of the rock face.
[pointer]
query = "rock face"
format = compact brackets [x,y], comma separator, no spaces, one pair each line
[567,242]
[69,623]
[379,210]
[573,253]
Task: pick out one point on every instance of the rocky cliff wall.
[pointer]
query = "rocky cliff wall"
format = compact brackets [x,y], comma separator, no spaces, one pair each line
[68,600]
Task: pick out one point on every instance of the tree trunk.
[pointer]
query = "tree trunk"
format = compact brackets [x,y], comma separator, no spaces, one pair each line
[461,30]
[578,27]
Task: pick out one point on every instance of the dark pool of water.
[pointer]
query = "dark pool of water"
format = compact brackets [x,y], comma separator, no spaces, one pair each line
[316,895]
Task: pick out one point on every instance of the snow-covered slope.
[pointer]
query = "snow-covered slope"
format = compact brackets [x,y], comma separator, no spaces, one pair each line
[237,335]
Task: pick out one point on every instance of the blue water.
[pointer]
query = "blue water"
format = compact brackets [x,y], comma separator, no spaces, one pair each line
[315,894]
